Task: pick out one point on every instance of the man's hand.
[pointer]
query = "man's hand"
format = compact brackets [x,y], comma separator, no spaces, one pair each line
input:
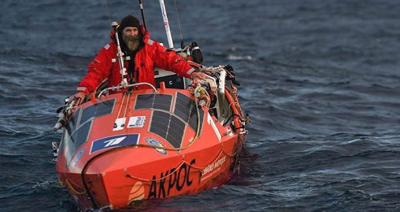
[198,76]
[77,98]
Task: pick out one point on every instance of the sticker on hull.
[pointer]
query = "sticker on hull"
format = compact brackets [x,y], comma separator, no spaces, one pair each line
[119,124]
[136,121]
[136,193]
[211,168]
[115,141]
[157,145]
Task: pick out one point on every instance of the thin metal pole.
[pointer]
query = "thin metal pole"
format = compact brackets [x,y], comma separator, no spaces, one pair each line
[166,24]
[142,11]
[120,56]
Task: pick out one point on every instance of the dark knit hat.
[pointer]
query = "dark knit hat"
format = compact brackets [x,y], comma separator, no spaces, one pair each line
[129,21]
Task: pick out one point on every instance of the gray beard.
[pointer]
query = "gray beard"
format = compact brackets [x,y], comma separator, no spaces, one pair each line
[132,45]
[132,42]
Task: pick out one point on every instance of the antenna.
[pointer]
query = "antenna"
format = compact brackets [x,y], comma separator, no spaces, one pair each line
[142,12]
[166,24]
[120,55]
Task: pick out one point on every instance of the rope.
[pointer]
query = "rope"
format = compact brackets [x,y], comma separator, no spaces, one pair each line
[148,181]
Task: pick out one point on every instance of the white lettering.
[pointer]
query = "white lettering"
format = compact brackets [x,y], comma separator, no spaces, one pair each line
[211,167]
[114,141]
[136,121]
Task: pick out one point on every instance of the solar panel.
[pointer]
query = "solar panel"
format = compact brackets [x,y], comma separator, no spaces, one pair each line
[88,113]
[81,134]
[183,106]
[168,126]
[144,101]
[97,110]
[162,102]
[175,132]
[104,108]
[193,119]
[159,123]
[155,101]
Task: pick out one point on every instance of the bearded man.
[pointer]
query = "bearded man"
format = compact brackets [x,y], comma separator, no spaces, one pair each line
[141,56]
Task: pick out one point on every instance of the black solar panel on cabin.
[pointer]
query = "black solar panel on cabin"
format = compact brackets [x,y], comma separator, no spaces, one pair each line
[80,135]
[168,126]
[144,101]
[186,110]
[162,102]
[97,110]
[193,119]
[159,123]
[183,106]
[88,113]
[175,132]
[156,101]
[104,108]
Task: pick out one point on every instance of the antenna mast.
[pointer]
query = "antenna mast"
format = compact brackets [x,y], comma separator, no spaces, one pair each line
[142,12]
[166,24]
[120,56]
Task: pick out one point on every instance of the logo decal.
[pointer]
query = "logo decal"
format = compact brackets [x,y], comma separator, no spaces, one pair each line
[174,180]
[156,144]
[115,141]
[213,167]
[136,121]
[119,124]
[136,193]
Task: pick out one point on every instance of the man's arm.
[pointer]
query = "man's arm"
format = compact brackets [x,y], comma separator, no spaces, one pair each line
[170,61]
[98,69]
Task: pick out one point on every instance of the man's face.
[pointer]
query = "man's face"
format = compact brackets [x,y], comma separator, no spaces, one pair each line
[131,37]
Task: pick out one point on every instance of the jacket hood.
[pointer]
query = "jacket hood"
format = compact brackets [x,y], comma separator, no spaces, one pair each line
[143,32]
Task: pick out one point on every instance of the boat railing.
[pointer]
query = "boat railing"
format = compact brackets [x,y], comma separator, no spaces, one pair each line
[114,88]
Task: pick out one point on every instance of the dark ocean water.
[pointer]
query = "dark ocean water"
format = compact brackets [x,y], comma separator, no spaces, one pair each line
[321,80]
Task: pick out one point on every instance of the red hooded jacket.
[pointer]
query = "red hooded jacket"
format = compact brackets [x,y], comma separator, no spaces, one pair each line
[105,65]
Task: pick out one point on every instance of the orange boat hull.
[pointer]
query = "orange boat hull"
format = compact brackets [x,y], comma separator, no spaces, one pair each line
[134,151]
